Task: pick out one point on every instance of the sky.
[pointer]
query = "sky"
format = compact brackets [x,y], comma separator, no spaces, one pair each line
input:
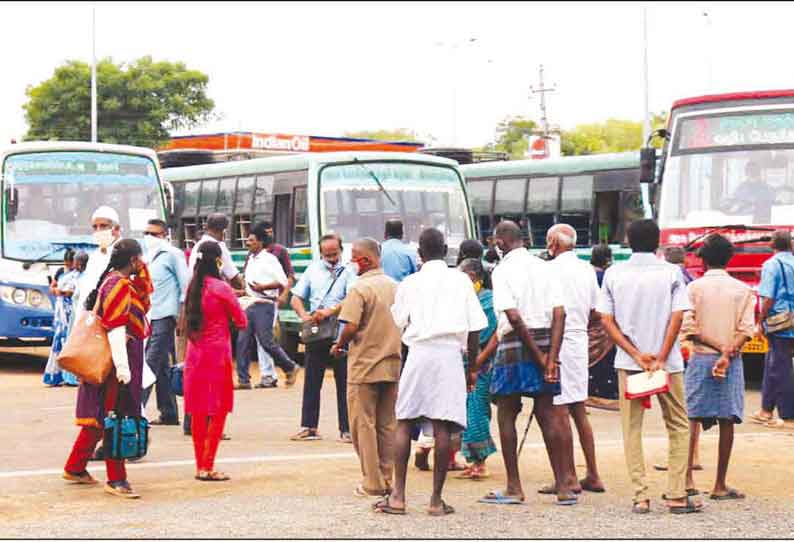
[330,68]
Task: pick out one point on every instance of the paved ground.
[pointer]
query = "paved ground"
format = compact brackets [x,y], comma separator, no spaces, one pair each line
[281,488]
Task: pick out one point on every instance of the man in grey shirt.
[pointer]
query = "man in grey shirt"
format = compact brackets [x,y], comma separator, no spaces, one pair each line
[642,302]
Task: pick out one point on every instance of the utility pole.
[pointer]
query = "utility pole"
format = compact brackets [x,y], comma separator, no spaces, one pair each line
[542,90]
[93,76]
[646,118]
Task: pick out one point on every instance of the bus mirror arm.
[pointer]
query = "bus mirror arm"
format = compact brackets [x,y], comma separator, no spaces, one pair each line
[169,188]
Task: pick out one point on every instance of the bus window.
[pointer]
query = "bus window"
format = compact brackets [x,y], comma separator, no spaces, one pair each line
[576,206]
[190,228]
[226,195]
[244,201]
[263,197]
[281,219]
[509,202]
[300,236]
[209,197]
[480,198]
[542,206]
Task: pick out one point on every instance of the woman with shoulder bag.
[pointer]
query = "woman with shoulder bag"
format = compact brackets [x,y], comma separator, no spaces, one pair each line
[208,385]
[120,301]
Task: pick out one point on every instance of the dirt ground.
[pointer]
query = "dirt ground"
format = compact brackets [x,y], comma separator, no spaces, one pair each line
[282,488]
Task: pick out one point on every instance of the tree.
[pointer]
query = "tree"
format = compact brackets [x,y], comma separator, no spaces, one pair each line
[400,134]
[512,137]
[612,135]
[137,103]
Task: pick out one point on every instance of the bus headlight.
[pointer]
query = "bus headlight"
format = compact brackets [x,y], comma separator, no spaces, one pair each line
[28,297]
[19,296]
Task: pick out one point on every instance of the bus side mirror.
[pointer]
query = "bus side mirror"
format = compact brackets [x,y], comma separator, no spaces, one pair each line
[647,165]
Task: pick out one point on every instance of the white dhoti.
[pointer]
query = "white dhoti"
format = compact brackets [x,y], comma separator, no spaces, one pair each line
[433,384]
[574,370]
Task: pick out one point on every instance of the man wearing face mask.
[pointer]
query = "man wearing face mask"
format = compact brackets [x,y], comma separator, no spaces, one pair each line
[107,231]
[168,270]
[324,284]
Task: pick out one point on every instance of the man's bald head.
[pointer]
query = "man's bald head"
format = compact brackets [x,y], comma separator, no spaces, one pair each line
[368,246]
[781,240]
[366,254]
[507,236]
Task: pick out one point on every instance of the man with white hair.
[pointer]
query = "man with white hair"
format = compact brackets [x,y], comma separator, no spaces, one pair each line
[107,231]
[580,293]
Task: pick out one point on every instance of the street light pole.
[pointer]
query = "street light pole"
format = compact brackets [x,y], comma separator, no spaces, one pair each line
[93,76]
[646,122]
[454,90]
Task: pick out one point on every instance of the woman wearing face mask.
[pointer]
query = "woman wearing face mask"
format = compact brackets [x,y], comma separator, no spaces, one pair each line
[62,288]
[209,391]
[121,298]
[477,441]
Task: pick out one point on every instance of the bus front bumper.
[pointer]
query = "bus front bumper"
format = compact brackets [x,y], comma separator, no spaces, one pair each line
[24,326]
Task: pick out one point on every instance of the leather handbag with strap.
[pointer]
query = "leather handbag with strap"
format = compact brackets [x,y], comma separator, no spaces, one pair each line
[781,321]
[326,330]
[86,353]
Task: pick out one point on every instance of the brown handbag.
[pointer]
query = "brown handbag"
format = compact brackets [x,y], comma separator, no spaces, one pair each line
[86,353]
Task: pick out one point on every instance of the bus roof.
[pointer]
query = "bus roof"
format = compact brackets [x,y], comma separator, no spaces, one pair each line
[558,166]
[733,96]
[78,146]
[295,162]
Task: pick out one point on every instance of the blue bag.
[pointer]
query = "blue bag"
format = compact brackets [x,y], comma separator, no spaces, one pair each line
[176,379]
[125,437]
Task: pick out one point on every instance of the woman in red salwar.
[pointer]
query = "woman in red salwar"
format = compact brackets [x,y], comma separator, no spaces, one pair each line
[209,390]
[123,289]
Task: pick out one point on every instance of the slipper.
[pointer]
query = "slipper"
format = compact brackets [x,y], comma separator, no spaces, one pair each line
[664,467]
[467,474]
[568,499]
[480,474]
[384,507]
[690,508]
[690,492]
[757,418]
[498,497]
[591,489]
[213,476]
[445,509]
[731,495]
[552,490]
[361,492]
[637,509]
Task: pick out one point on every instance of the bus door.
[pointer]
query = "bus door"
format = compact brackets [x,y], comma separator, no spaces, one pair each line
[282,218]
[615,194]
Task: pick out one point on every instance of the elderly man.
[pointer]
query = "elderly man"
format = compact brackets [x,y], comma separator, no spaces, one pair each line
[441,316]
[580,291]
[107,231]
[530,308]
[373,367]
[777,294]
[168,269]
[324,284]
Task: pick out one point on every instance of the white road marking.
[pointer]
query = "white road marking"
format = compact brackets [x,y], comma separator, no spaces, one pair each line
[315,457]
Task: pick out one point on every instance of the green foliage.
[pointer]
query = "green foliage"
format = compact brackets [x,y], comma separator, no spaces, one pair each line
[512,137]
[611,136]
[137,103]
[400,134]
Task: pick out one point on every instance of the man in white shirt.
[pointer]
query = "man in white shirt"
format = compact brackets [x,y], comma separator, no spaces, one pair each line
[107,231]
[530,309]
[264,280]
[441,316]
[580,291]
[216,225]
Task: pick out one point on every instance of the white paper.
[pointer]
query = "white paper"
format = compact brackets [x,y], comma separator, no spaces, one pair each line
[148,378]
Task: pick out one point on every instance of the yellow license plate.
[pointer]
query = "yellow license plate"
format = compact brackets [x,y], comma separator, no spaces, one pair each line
[756,346]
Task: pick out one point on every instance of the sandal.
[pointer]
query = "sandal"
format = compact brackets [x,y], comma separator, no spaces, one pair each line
[730,495]
[567,499]
[445,509]
[588,487]
[467,474]
[551,489]
[689,508]
[497,496]
[213,476]
[757,417]
[480,473]
[690,492]
[642,507]
[384,507]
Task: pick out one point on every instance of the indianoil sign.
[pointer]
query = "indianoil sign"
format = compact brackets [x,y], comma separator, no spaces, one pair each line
[275,142]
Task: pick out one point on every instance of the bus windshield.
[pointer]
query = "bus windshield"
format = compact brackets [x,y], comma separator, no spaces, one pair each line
[354,205]
[49,198]
[730,169]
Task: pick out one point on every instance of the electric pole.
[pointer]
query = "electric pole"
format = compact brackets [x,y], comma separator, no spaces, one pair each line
[542,90]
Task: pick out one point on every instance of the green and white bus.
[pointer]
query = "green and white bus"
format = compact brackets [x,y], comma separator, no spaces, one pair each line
[599,195]
[305,196]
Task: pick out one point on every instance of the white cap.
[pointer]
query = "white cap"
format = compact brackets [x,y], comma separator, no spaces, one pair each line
[107,213]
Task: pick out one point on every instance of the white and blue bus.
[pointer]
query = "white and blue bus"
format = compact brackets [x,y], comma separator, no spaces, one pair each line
[49,191]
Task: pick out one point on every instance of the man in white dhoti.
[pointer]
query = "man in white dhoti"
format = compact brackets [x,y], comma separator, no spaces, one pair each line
[440,316]
[580,294]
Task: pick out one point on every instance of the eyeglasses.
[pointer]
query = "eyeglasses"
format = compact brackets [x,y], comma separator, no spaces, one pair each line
[154,234]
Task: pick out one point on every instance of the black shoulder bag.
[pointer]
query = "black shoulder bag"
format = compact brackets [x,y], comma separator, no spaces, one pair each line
[315,332]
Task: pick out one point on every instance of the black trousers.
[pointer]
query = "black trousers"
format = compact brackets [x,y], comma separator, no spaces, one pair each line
[317,359]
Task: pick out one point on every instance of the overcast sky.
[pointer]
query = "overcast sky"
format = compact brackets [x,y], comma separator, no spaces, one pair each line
[328,68]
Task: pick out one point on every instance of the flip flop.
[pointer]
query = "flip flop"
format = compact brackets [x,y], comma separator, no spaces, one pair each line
[637,509]
[591,489]
[467,474]
[690,492]
[757,418]
[498,497]
[384,507]
[551,490]
[690,508]
[445,509]
[731,495]
[213,476]
[567,499]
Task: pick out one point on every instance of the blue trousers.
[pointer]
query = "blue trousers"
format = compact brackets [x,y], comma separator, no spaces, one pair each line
[777,388]
[260,325]
[160,350]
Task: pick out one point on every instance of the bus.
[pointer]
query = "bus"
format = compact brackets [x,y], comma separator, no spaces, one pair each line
[49,191]
[599,195]
[305,196]
[727,166]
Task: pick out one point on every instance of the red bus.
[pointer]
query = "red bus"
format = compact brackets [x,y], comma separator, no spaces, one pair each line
[727,166]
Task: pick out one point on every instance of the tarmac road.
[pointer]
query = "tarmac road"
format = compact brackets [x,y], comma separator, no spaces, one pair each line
[281,488]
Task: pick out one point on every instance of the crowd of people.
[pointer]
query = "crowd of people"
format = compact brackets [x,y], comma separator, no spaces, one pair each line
[421,351]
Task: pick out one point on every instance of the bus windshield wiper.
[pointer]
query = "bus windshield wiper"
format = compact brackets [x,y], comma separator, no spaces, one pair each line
[58,247]
[708,232]
[375,178]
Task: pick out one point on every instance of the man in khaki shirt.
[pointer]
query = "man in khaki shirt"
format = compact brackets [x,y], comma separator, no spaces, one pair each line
[373,367]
